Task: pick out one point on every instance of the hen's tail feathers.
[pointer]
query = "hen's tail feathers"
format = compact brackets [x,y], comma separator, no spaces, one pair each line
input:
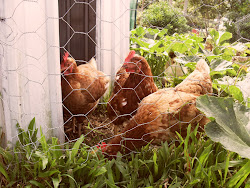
[92,63]
[202,66]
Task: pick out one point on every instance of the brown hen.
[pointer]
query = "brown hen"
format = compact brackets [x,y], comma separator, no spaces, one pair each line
[133,82]
[82,87]
[164,112]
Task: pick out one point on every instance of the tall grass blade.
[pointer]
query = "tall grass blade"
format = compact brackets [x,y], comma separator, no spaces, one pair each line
[240,176]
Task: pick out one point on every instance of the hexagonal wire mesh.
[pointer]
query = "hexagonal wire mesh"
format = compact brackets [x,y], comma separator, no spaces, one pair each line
[144,101]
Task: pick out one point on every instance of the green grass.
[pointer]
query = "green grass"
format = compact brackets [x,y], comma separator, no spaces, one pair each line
[187,162]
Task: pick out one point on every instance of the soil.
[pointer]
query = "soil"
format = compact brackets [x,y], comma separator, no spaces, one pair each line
[96,128]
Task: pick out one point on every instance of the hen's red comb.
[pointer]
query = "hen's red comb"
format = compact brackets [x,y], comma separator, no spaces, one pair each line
[130,56]
[65,56]
[103,145]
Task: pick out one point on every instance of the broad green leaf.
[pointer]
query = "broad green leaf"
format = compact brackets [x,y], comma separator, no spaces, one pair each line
[153,47]
[20,133]
[231,124]
[224,37]
[139,31]
[36,183]
[141,43]
[43,158]
[76,147]
[31,125]
[162,32]
[215,35]
[152,31]
[2,171]
[101,171]
[179,47]
[56,149]
[217,51]
[211,57]
[236,93]
[43,142]
[48,173]
[155,163]
[121,168]
[56,182]
[32,130]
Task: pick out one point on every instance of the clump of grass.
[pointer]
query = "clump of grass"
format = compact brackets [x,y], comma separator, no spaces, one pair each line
[193,162]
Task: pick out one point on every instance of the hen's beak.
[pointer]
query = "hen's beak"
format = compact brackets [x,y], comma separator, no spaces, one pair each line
[125,65]
[63,68]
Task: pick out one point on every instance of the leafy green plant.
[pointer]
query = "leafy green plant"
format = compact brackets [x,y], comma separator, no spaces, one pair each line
[155,45]
[221,47]
[238,23]
[230,127]
[160,14]
[193,161]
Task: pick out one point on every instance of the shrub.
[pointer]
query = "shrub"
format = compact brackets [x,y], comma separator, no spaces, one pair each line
[239,31]
[160,14]
[238,24]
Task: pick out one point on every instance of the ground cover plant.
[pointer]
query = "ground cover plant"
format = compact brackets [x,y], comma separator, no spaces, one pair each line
[193,162]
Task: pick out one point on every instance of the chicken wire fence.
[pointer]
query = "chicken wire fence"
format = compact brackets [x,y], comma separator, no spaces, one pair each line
[35,35]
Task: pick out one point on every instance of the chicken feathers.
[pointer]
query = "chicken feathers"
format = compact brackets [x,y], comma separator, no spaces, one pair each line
[164,112]
[82,86]
[133,82]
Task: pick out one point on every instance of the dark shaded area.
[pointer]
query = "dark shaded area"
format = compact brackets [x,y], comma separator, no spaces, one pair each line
[77,26]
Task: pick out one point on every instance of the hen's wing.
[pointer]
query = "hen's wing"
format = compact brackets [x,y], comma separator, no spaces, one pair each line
[158,117]
[93,83]
[115,101]
[164,112]
[120,79]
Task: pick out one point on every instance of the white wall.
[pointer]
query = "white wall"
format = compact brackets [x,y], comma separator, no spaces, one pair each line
[30,67]
[113,19]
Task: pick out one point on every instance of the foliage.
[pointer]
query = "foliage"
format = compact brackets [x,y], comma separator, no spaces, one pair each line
[160,14]
[145,3]
[234,10]
[193,161]
[238,20]
[229,125]
[155,45]
[240,29]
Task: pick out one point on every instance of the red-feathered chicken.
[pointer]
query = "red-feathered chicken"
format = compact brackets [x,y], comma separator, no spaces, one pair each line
[164,112]
[133,82]
[82,86]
